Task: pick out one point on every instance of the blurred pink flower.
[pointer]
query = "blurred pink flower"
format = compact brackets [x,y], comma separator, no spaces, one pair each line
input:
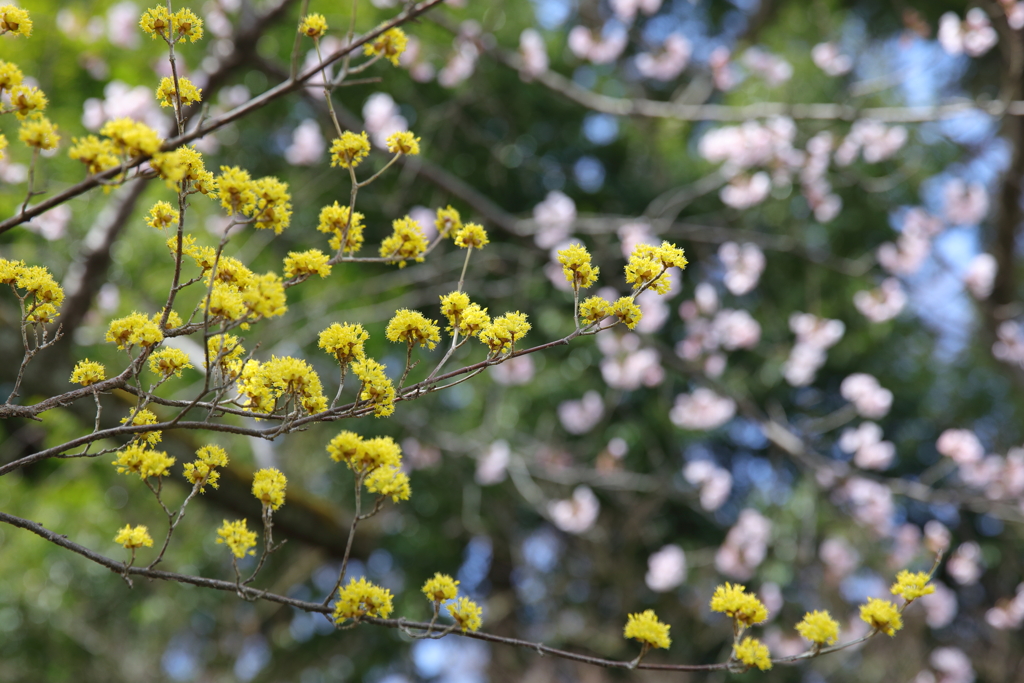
[839,557]
[666,569]
[882,303]
[773,69]
[492,465]
[973,36]
[961,445]
[871,453]
[702,410]
[579,417]
[307,146]
[964,565]
[745,546]
[533,52]
[669,62]
[827,58]
[743,266]
[577,514]
[940,607]
[555,217]
[514,371]
[744,191]
[715,483]
[597,50]
[964,204]
[981,275]
[869,397]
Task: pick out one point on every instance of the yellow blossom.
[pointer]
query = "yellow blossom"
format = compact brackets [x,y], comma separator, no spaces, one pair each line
[15,20]
[39,282]
[166,95]
[350,149]
[645,627]
[448,221]
[11,271]
[403,142]
[39,132]
[595,309]
[413,327]
[912,585]
[313,25]
[645,268]
[466,614]
[307,263]
[362,599]
[819,628]
[169,361]
[264,296]
[134,537]
[346,234]
[170,166]
[88,372]
[3,145]
[882,615]
[390,45]
[235,190]
[132,138]
[97,155]
[576,266]
[753,652]
[42,313]
[465,318]
[268,486]
[156,22]
[10,75]
[137,459]
[627,311]
[734,601]
[134,330]
[502,334]
[440,588]
[407,241]
[389,481]
[344,342]
[376,387]
[471,236]
[273,204]
[225,348]
[145,417]
[237,537]
[187,25]
[203,470]
[27,100]
[161,216]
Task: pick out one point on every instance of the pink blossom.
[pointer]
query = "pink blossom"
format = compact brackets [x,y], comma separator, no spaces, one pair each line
[626,9]
[1008,614]
[751,144]
[555,217]
[952,665]
[803,363]
[974,36]
[123,25]
[882,303]
[822,333]
[744,191]
[460,64]
[715,483]
[702,410]
[514,371]
[706,298]
[307,146]
[1014,13]
[601,50]
[840,558]
[871,453]
[669,62]
[412,59]
[906,256]
[655,310]
[745,545]
[627,366]
[577,514]
[827,58]
[52,224]
[632,234]
[1009,347]
[940,607]
[964,564]
[965,204]
[867,395]
[920,223]
[420,455]
[382,118]
[714,365]
[722,73]
[936,536]
[579,417]
[981,473]
[870,503]
[492,465]
[666,569]
[981,275]
[122,101]
[961,445]
[743,266]
[874,139]
[533,52]
[906,546]
[736,330]
[773,69]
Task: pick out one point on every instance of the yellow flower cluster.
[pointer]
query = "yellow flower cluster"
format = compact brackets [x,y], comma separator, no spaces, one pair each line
[306,264]
[912,585]
[595,309]
[161,216]
[172,27]
[503,332]
[235,190]
[407,241]
[390,45]
[448,221]
[882,616]
[39,132]
[97,154]
[376,387]
[88,372]
[413,327]
[27,100]
[15,20]
[362,599]
[753,652]
[145,462]
[3,146]
[169,361]
[273,204]
[166,95]
[268,486]
[440,588]
[134,330]
[466,614]
[42,292]
[646,628]
[238,293]
[819,628]
[10,75]
[195,170]
[464,317]
[134,537]
[648,266]
[145,417]
[403,142]
[345,342]
[224,351]
[293,379]
[346,234]
[626,310]
[576,266]
[237,537]
[203,470]
[733,601]
[350,149]
[131,138]
[471,236]
[313,25]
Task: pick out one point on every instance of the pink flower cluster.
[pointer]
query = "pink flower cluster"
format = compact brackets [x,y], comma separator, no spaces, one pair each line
[882,303]
[666,569]
[577,514]
[626,10]
[826,56]
[869,397]
[555,217]
[579,417]
[949,665]
[1009,345]
[533,52]
[872,139]
[745,545]
[980,276]
[729,330]
[870,503]
[668,62]
[702,410]
[964,204]
[595,49]
[906,256]
[462,61]
[1008,614]
[626,365]
[773,69]
[382,118]
[814,336]
[743,263]
[973,36]
[715,483]
[865,442]
[964,565]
